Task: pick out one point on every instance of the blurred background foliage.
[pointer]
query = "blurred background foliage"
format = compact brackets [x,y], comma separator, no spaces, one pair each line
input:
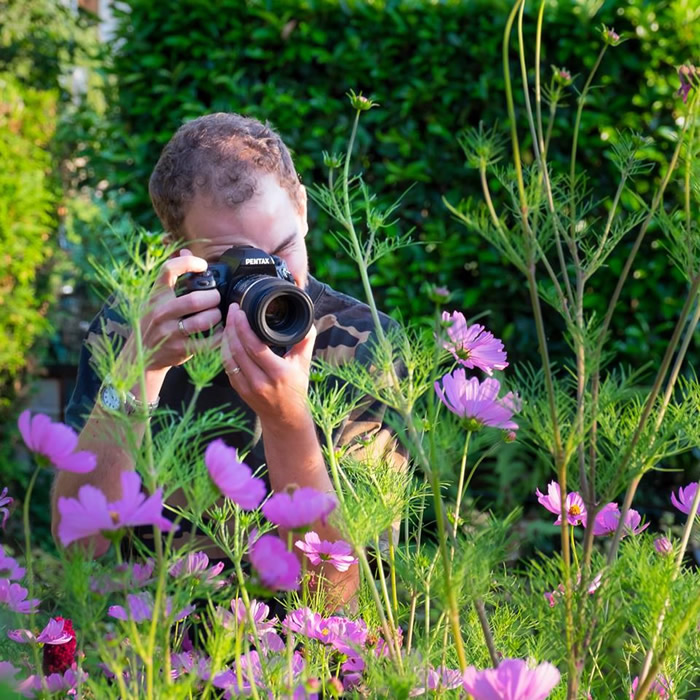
[84,121]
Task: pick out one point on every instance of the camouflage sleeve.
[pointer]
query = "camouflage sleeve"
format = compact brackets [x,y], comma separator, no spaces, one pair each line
[107,325]
[365,435]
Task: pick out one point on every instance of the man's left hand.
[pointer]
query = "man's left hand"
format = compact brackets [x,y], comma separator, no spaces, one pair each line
[274,387]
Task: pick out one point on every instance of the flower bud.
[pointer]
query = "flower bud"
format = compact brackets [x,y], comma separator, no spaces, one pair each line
[335,687]
[332,160]
[438,295]
[689,76]
[360,102]
[610,36]
[562,76]
[663,545]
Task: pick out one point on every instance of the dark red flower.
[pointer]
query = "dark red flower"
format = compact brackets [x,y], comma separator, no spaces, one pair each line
[58,658]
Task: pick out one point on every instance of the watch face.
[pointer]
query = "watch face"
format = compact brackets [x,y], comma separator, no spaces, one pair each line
[110,398]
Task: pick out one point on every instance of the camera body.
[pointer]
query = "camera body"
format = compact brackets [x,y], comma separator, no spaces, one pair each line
[278,311]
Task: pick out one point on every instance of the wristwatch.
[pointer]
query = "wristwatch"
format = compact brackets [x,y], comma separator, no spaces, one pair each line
[126,403]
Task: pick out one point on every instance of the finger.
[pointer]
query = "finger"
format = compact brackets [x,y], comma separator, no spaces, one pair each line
[258,352]
[188,304]
[238,333]
[185,251]
[238,380]
[200,322]
[305,347]
[173,268]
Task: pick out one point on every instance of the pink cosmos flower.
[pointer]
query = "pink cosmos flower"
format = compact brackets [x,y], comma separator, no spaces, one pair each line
[15,597]
[477,402]
[298,509]
[56,442]
[512,680]
[53,633]
[268,638]
[54,683]
[140,608]
[663,545]
[473,346]
[259,610]
[338,553]
[195,565]
[575,508]
[5,500]
[250,661]
[278,569]
[443,678]
[8,673]
[233,478]
[188,662]
[304,621]
[128,577]
[90,513]
[660,687]
[9,568]
[686,495]
[607,519]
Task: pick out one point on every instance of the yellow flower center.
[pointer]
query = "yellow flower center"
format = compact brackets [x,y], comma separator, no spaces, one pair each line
[574,510]
[114,515]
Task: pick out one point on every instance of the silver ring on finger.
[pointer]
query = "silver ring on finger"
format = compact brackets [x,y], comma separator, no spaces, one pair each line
[232,371]
[181,328]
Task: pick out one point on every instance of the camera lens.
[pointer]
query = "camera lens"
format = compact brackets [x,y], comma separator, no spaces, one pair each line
[280,313]
[277,313]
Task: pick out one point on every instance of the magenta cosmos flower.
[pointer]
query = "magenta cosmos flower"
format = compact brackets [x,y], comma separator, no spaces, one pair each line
[685,498]
[299,509]
[140,608]
[53,633]
[606,521]
[90,513]
[56,442]
[9,568]
[278,569]
[232,477]
[5,500]
[477,402]
[15,597]
[338,553]
[473,346]
[660,687]
[512,680]
[196,565]
[575,508]
[54,683]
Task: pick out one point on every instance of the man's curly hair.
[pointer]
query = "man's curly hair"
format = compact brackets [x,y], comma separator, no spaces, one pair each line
[220,155]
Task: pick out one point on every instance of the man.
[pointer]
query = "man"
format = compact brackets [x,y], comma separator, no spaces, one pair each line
[225,180]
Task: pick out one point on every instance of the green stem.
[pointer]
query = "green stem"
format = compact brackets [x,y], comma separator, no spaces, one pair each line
[574,145]
[649,405]
[388,636]
[690,617]
[676,572]
[460,486]
[28,560]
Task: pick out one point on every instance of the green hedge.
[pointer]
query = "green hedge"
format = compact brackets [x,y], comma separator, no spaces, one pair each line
[435,68]
[28,198]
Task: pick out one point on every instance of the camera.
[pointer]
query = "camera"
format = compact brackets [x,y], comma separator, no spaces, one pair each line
[278,311]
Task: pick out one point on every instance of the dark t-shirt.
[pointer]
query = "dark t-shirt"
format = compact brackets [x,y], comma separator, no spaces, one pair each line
[345,331]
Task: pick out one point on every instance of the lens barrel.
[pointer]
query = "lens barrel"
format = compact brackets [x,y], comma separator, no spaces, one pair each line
[278,312]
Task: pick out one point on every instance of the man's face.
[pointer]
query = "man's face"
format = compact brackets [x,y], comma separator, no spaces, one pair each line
[270,221]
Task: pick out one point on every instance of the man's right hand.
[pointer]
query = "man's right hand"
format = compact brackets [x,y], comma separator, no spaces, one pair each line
[198,311]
